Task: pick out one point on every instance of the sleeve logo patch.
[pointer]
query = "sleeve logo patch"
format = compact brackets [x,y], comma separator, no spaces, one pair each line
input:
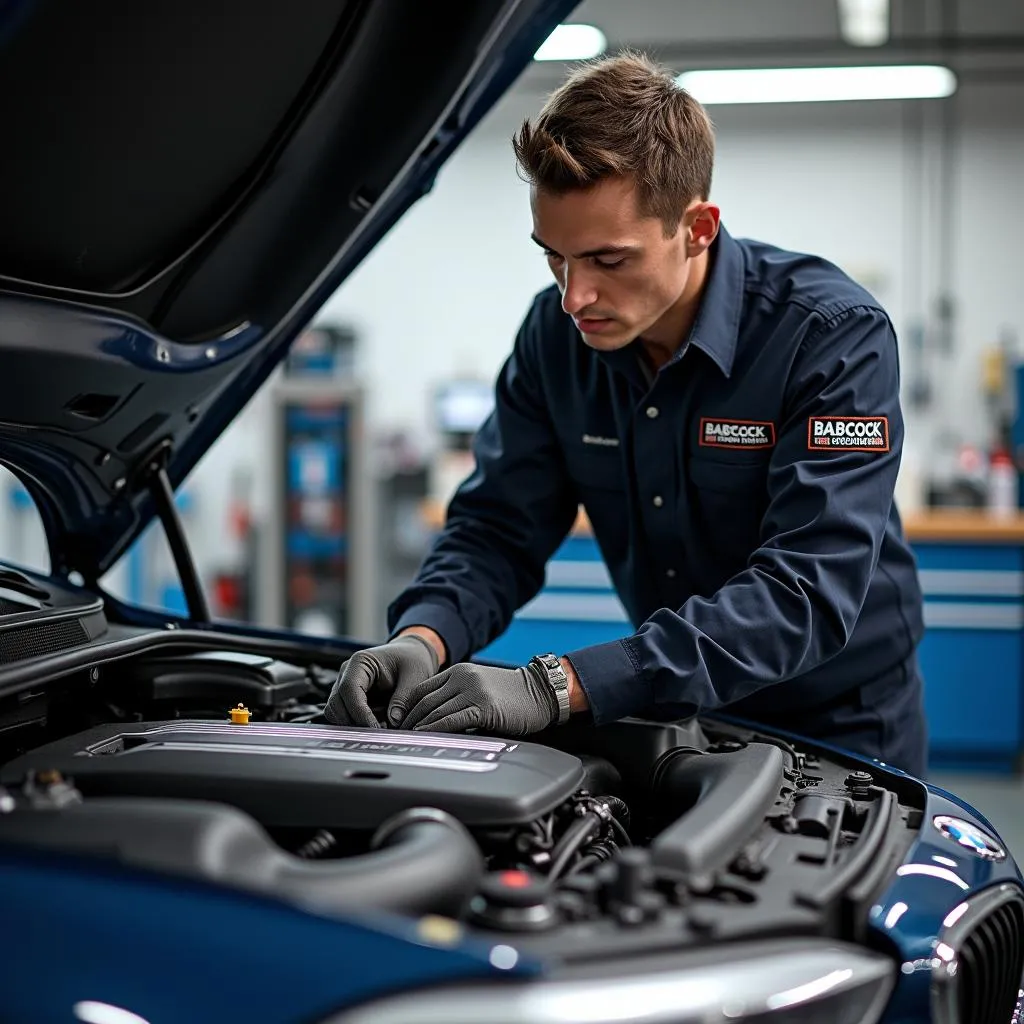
[848,433]
[715,433]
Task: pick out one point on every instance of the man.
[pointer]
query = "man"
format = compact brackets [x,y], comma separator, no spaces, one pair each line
[728,415]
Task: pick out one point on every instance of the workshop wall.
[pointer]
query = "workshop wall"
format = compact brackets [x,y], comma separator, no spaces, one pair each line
[866,185]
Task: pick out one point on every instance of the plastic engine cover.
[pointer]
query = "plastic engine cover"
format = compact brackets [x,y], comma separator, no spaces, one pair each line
[313,775]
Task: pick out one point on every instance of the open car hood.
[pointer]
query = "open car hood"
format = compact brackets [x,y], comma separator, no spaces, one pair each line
[184,185]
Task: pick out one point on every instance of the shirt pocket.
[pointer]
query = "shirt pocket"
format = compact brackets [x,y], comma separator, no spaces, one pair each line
[728,497]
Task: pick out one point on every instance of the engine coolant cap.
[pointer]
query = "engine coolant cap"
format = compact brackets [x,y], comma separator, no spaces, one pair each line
[240,715]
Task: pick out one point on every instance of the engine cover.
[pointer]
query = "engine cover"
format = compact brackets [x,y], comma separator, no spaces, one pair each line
[313,775]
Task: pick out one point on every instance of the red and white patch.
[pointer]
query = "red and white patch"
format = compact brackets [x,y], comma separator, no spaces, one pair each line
[718,433]
[848,433]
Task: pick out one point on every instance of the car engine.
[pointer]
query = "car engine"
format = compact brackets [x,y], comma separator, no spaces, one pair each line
[582,841]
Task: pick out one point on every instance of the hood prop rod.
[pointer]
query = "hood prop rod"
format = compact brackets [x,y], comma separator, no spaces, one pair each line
[163,498]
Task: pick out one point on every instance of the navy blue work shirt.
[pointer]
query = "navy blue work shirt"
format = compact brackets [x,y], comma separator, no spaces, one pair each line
[742,498]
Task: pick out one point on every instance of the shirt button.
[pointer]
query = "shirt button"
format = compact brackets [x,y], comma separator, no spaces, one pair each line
[658,501]
[652,412]
[670,573]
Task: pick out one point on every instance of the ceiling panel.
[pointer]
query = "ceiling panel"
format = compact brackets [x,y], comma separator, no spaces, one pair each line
[692,22]
[981,39]
[700,21]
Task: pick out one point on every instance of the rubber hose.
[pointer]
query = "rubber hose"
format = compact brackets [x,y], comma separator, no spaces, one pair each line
[719,800]
[619,809]
[421,861]
[575,837]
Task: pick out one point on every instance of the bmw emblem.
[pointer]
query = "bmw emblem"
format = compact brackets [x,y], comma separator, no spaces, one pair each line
[969,836]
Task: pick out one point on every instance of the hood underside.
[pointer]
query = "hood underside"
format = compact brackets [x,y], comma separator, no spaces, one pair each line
[185,184]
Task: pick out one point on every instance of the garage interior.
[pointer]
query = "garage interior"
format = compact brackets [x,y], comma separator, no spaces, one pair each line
[317,505]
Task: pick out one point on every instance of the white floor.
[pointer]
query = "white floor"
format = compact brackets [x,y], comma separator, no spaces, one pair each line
[999,798]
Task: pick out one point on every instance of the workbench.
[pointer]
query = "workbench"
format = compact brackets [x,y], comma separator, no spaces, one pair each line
[971,566]
[972,657]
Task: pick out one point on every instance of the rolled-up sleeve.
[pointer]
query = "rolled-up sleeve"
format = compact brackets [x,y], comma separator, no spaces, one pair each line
[504,522]
[794,605]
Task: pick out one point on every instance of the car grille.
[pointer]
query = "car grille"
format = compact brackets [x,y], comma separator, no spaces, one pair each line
[991,965]
[980,981]
[44,638]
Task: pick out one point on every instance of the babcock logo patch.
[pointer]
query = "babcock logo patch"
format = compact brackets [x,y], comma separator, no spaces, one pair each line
[715,433]
[848,433]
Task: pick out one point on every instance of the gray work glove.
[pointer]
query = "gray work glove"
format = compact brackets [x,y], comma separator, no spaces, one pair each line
[507,701]
[403,662]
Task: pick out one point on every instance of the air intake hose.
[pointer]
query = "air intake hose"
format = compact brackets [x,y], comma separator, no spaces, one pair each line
[420,861]
[718,801]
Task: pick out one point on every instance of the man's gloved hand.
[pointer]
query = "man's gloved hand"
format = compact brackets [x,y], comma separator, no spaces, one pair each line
[507,701]
[406,661]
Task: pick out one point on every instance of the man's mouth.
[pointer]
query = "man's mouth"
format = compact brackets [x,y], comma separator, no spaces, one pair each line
[593,325]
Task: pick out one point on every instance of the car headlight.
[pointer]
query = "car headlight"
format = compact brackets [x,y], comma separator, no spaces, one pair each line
[795,980]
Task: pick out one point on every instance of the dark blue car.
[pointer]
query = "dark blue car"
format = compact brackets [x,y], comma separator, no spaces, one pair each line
[182,185]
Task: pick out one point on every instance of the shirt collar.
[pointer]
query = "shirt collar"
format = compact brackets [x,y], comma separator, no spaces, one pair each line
[716,329]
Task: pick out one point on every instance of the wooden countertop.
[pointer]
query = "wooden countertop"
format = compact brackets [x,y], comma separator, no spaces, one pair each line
[941,524]
[965,525]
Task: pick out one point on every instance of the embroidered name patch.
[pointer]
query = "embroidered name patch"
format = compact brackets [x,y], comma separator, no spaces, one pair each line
[715,433]
[601,442]
[849,433]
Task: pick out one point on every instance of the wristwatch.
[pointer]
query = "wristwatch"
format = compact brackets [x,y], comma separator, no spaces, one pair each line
[551,669]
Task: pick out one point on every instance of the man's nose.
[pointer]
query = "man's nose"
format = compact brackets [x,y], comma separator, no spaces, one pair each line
[578,292]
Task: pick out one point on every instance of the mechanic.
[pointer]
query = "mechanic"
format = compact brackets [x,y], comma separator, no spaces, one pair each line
[728,415]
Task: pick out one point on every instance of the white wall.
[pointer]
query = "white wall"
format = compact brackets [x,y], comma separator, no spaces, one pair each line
[989,233]
[445,292]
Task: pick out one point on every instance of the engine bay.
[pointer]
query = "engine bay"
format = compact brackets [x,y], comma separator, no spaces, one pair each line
[217,766]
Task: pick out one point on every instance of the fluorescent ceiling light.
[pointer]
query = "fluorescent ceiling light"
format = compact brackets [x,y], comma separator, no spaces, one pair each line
[864,22]
[572,42]
[809,85]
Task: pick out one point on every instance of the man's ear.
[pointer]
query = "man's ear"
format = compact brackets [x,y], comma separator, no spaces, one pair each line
[701,220]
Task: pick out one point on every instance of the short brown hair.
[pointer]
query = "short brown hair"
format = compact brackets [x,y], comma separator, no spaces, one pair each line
[622,116]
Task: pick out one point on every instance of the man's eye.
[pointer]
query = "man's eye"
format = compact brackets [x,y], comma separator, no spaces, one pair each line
[551,255]
[610,264]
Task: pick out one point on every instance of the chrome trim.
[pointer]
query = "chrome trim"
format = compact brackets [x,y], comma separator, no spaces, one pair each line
[845,984]
[974,582]
[388,737]
[318,754]
[962,920]
[965,615]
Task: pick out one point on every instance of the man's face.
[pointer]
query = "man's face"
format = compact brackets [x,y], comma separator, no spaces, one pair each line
[617,272]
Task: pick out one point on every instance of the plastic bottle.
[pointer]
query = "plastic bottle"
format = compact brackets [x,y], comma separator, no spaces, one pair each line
[1002,484]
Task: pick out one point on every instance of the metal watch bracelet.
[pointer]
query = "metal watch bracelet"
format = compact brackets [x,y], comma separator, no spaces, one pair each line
[551,669]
